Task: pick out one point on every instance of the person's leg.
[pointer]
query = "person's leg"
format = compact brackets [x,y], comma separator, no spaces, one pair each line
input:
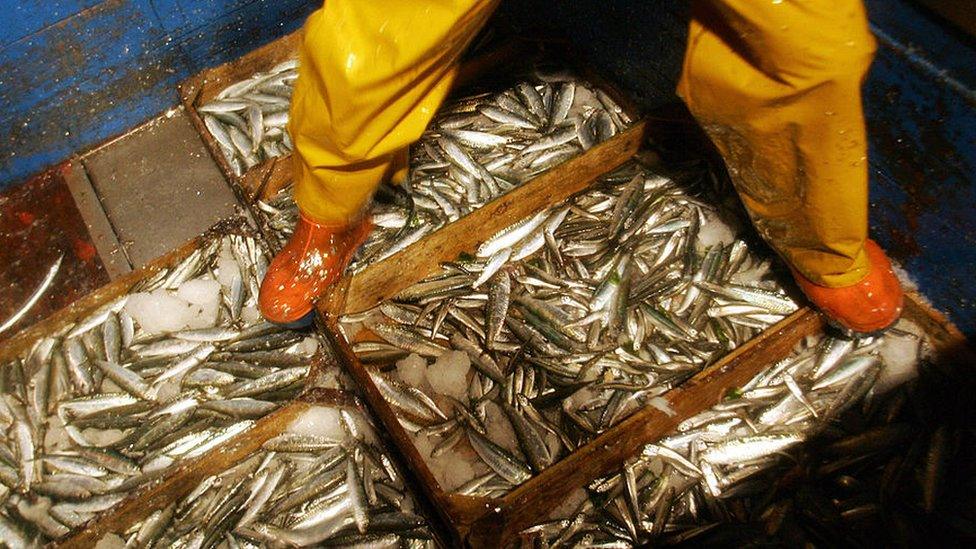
[371,77]
[777,87]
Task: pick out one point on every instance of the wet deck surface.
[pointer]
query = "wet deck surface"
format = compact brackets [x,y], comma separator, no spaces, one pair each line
[38,222]
[109,211]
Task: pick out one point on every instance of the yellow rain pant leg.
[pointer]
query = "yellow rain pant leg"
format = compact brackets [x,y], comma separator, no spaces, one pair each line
[371,76]
[777,87]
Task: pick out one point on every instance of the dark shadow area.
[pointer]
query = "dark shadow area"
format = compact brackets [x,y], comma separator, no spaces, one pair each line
[896,470]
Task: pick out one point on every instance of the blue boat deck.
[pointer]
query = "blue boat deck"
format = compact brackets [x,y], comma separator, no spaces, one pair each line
[75,73]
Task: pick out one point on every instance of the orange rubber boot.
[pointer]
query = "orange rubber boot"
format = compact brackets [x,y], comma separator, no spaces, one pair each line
[312,260]
[865,308]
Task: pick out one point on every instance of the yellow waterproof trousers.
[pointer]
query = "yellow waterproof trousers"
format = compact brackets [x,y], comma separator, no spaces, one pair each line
[777,87]
[775,83]
[371,76]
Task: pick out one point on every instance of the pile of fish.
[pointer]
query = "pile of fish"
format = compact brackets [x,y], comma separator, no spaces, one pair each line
[476,149]
[249,119]
[571,319]
[712,470]
[164,373]
[315,484]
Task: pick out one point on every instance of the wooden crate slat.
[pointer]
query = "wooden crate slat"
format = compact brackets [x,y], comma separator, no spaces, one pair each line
[527,504]
[185,478]
[384,279]
[265,179]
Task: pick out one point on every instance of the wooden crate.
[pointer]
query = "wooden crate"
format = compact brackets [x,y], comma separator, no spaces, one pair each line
[265,179]
[490,522]
[186,476]
[530,503]
[496,522]
[181,479]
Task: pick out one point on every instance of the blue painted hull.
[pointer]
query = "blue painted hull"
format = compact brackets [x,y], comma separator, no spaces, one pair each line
[76,72]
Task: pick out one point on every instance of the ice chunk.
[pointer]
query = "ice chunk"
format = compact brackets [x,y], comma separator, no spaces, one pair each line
[448,375]
[453,471]
[307,346]
[715,231]
[110,541]
[226,249]
[159,311]
[250,314]
[451,468]
[662,404]
[198,291]
[412,370]
[102,437]
[900,357]
[206,295]
[328,380]
[227,269]
[319,421]
[907,282]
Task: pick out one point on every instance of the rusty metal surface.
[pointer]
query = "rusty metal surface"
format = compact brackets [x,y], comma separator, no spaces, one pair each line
[39,221]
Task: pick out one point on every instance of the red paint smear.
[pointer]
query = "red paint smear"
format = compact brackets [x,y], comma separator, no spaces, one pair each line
[26,218]
[84,250]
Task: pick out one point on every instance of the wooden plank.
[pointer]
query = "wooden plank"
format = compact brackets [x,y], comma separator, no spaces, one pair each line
[530,502]
[488,522]
[184,478]
[384,279]
[417,468]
